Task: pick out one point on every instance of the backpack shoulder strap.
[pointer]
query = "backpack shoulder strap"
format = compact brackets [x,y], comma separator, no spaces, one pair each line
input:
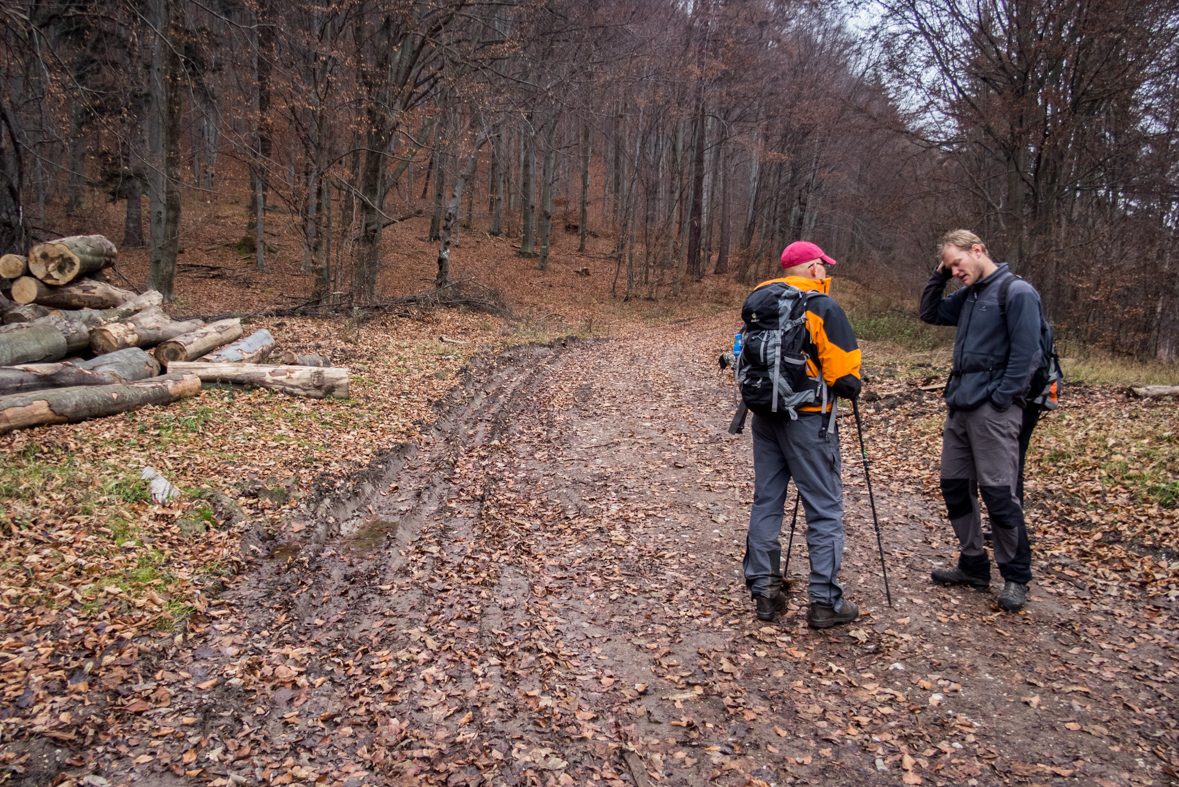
[1004,286]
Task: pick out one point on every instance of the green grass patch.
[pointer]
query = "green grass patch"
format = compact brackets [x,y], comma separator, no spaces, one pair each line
[1133,452]
[1087,365]
[900,328]
[174,615]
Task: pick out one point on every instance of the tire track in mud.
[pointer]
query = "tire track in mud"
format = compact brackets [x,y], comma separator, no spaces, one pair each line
[547,591]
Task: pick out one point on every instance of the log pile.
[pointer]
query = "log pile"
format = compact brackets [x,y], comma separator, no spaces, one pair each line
[74,347]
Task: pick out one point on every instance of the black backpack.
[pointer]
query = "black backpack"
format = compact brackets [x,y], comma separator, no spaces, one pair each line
[771,371]
[1048,378]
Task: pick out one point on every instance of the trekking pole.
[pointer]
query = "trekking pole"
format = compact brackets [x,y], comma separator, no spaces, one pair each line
[790,545]
[872,500]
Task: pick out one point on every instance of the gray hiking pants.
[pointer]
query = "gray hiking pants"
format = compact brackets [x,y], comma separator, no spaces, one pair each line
[980,454]
[785,449]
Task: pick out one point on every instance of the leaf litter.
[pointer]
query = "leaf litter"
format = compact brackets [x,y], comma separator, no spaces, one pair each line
[543,588]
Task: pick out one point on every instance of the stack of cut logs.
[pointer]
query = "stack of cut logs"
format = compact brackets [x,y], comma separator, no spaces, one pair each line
[55,310]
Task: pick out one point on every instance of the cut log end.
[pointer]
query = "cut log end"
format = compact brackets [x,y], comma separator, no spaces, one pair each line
[28,289]
[13,266]
[63,260]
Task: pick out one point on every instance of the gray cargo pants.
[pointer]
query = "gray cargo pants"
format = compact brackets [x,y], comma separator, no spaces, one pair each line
[980,453]
[785,449]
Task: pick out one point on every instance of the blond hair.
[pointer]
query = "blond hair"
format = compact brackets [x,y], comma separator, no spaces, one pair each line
[960,239]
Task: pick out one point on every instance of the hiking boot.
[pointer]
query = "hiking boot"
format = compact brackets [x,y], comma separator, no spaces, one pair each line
[768,606]
[820,616]
[1014,596]
[956,576]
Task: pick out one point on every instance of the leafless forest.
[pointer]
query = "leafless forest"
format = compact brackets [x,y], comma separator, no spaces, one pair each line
[700,136]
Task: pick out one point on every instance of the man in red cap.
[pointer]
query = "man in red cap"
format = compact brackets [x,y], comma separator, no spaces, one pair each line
[802,442]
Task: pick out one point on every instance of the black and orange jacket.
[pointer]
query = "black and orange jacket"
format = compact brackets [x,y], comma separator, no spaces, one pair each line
[831,341]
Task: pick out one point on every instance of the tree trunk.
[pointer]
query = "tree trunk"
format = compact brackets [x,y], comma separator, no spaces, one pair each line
[133,222]
[452,210]
[260,226]
[263,66]
[195,343]
[311,240]
[117,367]
[252,349]
[133,147]
[722,246]
[378,120]
[321,292]
[61,261]
[157,11]
[371,200]
[36,343]
[616,168]
[495,183]
[13,266]
[695,268]
[501,182]
[146,329]
[583,221]
[77,157]
[306,381]
[548,158]
[685,227]
[13,228]
[81,403]
[528,191]
[166,82]
[754,192]
[712,176]
[81,294]
[439,182]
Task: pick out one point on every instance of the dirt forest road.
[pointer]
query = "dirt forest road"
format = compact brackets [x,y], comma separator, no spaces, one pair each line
[547,592]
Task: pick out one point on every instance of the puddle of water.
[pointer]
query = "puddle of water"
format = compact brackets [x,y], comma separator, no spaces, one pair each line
[372,535]
[284,551]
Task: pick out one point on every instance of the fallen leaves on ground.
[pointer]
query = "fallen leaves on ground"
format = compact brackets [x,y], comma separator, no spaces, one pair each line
[547,592]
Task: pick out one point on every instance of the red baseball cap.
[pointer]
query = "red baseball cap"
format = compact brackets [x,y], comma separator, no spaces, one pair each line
[803,251]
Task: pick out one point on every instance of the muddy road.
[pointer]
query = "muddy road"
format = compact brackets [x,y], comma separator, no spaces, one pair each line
[547,591]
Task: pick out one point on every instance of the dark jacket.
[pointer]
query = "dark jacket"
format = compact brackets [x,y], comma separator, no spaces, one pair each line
[994,357]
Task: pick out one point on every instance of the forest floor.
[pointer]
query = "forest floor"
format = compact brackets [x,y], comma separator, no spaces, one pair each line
[518,562]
